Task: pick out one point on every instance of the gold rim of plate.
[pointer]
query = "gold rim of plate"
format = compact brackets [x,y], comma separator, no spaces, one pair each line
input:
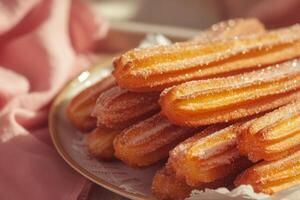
[63,153]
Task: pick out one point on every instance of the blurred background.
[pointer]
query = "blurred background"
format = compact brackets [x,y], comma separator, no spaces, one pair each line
[189,14]
[198,14]
[184,18]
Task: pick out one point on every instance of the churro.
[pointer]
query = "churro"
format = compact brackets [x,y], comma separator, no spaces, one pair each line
[159,67]
[218,100]
[149,141]
[272,136]
[119,108]
[272,176]
[80,108]
[100,142]
[167,186]
[208,156]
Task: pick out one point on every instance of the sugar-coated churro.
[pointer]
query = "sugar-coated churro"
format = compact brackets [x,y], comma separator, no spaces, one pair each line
[156,68]
[119,108]
[272,176]
[272,136]
[208,156]
[218,100]
[167,186]
[80,108]
[149,141]
[100,142]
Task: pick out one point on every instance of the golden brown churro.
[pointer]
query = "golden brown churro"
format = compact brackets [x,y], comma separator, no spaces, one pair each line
[217,100]
[156,68]
[149,141]
[100,142]
[119,108]
[166,186]
[80,108]
[273,176]
[272,136]
[208,156]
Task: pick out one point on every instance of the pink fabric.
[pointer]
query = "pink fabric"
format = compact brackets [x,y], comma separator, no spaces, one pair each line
[41,44]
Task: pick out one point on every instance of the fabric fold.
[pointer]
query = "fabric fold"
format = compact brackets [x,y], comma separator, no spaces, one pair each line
[42,44]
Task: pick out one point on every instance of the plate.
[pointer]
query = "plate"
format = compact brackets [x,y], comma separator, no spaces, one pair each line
[115,176]
[69,142]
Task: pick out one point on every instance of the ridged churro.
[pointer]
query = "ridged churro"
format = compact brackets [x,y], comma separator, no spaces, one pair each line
[208,156]
[272,176]
[272,136]
[156,68]
[166,186]
[149,141]
[218,100]
[80,108]
[119,108]
[100,142]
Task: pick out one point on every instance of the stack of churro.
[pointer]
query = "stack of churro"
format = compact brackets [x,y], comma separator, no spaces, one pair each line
[223,109]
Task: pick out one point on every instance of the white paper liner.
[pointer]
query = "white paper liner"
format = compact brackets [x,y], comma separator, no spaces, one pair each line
[240,193]
[135,181]
[244,192]
[154,39]
[138,181]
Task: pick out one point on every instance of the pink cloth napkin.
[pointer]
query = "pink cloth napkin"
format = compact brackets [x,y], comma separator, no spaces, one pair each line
[42,43]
